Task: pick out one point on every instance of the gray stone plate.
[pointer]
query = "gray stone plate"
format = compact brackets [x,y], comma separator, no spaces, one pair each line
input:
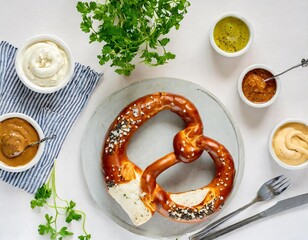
[153,141]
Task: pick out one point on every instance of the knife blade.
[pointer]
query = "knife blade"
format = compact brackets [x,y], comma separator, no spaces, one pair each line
[280,206]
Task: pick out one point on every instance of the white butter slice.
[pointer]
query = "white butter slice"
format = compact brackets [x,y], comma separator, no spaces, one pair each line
[189,199]
[128,196]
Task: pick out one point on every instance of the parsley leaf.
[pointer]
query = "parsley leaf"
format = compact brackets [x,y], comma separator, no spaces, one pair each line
[41,196]
[64,232]
[47,228]
[47,196]
[85,237]
[71,213]
[131,28]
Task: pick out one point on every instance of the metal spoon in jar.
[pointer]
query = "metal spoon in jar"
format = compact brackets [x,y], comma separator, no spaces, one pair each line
[15,154]
[304,63]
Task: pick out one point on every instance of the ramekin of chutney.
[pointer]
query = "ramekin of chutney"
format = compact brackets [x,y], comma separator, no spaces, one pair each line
[254,91]
[231,34]
[16,132]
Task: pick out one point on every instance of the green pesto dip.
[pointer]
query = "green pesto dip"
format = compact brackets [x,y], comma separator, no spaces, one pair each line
[231,34]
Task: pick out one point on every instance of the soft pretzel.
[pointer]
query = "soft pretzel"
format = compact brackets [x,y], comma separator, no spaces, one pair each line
[137,191]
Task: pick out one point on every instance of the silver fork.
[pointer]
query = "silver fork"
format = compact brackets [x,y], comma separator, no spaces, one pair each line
[268,190]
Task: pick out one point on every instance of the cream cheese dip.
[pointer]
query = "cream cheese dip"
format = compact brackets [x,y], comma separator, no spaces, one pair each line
[45,63]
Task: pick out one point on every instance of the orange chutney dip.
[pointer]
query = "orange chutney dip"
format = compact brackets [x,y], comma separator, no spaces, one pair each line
[254,87]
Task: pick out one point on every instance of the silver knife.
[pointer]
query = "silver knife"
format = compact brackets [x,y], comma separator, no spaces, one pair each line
[280,206]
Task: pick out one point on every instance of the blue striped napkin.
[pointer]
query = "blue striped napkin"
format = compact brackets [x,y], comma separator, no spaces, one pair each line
[55,112]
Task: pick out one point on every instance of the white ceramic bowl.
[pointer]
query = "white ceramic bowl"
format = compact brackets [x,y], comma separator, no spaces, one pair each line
[253,104]
[40,148]
[24,78]
[272,152]
[242,51]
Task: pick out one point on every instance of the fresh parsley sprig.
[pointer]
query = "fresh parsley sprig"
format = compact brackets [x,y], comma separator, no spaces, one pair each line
[46,196]
[131,27]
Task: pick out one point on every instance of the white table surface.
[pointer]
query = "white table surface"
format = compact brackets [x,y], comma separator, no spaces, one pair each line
[281,40]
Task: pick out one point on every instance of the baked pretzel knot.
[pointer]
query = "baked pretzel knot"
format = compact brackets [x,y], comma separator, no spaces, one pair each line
[137,191]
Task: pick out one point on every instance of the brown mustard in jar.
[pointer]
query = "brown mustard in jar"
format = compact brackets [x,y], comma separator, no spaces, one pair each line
[15,135]
[254,87]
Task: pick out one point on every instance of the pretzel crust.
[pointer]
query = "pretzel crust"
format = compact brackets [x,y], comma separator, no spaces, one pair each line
[188,147]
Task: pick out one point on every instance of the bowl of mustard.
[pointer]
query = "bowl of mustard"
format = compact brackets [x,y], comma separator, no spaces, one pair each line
[17,131]
[288,144]
[231,35]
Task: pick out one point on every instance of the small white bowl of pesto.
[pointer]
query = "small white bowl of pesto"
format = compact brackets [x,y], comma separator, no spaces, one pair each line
[231,35]
[44,64]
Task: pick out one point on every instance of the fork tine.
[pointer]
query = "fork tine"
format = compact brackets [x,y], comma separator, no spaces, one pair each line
[282,181]
[281,190]
[279,182]
[283,184]
[274,180]
[282,187]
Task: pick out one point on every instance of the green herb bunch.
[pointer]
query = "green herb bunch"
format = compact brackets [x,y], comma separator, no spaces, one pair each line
[46,196]
[131,27]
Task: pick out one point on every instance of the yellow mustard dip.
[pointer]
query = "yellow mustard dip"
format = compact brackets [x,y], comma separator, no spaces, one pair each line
[231,34]
[290,143]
